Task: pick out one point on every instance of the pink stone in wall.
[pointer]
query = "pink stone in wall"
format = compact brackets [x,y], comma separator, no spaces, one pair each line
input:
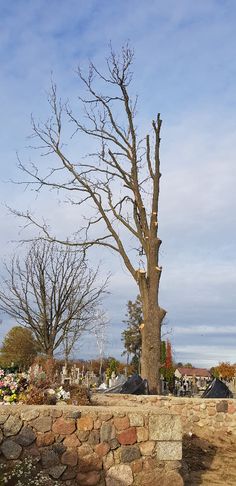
[102,449]
[71,441]
[128,436]
[64,426]
[70,457]
[231,408]
[45,439]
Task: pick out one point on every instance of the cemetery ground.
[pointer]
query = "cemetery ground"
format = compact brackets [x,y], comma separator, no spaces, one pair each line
[209,461]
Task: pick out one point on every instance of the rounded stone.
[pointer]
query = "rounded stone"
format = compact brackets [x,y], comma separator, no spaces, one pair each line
[121,423]
[128,436]
[10,449]
[70,457]
[71,441]
[45,439]
[3,417]
[121,474]
[85,423]
[129,453]
[49,458]
[107,432]
[64,426]
[89,479]
[90,462]
[26,436]
[12,425]
[102,449]
[42,424]
[56,471]
[29,414]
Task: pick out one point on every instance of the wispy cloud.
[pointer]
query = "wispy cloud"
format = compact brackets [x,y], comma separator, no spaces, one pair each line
[184,67]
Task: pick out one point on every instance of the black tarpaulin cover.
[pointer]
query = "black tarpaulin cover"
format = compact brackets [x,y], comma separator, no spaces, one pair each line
[217,389]
[135,385]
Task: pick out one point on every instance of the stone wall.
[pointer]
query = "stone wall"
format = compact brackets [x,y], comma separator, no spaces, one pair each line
[112,446]
[201,416]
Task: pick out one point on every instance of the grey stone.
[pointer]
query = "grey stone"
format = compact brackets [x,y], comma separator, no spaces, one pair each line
[10,449]
[94,437]
[12,425]
[42,424]
[3,416]
[119,475]
[82,435]
[26,436]
[222,406]
[136,420]
[55,413]
[169,451]
[107,432]
[33,452]
[70,473]
[49,458]
[1,436]
[165,427]
[108,461]
[56,471]
[129,453]
[74,414]
[114,444]
[59,448]
[29,414]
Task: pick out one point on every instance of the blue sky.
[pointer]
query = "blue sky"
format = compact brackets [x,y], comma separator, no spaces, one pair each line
[185,68]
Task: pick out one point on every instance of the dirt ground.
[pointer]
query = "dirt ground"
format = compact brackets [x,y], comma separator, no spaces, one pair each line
[209,462]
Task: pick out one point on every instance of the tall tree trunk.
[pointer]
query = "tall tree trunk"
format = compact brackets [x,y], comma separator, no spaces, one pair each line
[151,349]
[153,316]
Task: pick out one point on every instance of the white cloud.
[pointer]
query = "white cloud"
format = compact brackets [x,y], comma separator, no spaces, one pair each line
[185,68]
[203,330]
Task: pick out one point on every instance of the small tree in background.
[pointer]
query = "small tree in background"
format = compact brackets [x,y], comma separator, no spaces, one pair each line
[168,369]
[19,348]
[226,371]
[131,336]
[52,292]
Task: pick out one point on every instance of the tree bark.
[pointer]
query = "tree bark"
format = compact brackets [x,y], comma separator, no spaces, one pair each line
[151,352]
[153,316]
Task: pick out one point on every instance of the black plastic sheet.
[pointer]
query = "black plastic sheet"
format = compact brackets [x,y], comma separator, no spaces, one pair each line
[217,389]
[135,385]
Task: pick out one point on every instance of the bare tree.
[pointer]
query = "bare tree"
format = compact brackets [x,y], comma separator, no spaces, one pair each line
[120,180]
[99,331]
[91,319]
[52,292]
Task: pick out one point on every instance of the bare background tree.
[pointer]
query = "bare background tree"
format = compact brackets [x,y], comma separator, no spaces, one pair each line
[120,180]
[53,293]
[100,333]
[93,320]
